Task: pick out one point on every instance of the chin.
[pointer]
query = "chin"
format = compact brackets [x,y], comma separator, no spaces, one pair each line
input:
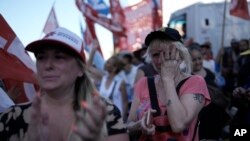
[49,86]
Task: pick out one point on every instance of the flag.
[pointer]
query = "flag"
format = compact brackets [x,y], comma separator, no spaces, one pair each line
[100,6]
[115,24]
[17,68]
[51,23]
[157,14]
[90,39]
[239,8]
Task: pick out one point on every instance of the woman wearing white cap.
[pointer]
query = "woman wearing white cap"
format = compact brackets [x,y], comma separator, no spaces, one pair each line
[68,107]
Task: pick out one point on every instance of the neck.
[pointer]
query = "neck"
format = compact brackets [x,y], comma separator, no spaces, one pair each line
[59,97]
[200,72]
[111,75]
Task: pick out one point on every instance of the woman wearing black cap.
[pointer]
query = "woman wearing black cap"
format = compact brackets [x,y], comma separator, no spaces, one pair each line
[68,107]
[166,106]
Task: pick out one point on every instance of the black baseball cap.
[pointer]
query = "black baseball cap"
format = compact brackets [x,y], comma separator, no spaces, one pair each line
[163,33]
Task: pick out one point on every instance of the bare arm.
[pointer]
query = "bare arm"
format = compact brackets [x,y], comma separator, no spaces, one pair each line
[94,47]
[134,125]
[139,75]
[181,111]
[124,99]
[96,73]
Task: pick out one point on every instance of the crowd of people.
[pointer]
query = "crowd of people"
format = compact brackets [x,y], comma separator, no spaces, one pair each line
[167,90]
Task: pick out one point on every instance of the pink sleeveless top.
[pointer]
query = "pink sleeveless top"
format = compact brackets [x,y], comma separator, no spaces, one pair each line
[194,85]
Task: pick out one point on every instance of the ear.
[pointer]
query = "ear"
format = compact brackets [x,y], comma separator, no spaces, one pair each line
[80,73]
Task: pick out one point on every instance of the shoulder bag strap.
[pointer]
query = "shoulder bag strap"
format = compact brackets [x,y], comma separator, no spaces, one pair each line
[153,96]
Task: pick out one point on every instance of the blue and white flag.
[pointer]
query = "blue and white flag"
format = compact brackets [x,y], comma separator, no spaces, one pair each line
[100,6]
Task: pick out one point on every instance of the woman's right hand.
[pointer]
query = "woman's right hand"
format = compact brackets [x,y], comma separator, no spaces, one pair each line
[146,123]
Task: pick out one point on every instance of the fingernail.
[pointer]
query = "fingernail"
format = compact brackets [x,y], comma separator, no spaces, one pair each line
[84,104]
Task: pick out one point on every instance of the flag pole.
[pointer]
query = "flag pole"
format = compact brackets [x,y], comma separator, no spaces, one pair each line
[223,23]
[223,31]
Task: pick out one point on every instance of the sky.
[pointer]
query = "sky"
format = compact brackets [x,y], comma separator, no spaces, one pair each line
[27,17]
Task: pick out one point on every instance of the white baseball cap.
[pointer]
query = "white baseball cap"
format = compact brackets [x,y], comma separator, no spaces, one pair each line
[61,38]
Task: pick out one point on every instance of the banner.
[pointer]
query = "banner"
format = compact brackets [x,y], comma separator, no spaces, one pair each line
[17,68]
[130,25]
[51,23]
[157,14]
[141,19]
[239,8]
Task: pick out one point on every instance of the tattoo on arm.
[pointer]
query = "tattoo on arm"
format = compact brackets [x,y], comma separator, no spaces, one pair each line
[169,102]
[200,98]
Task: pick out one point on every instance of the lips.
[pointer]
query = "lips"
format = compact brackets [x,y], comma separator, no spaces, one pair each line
[50,78]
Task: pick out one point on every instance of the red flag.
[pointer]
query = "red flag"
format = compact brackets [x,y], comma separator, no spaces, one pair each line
[115,24]
[239,8]
[51,23]
[17,68]
[157,14]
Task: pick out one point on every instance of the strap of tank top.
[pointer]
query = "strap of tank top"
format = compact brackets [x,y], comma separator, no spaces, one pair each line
[113,89]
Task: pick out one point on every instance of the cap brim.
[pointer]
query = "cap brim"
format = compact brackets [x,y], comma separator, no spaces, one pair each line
[159,35]
[39,44]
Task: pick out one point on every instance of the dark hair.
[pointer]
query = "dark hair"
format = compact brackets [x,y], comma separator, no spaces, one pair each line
[129,57]
[194,46]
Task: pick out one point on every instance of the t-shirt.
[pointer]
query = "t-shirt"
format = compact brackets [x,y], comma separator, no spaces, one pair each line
[193,85]
[14,124]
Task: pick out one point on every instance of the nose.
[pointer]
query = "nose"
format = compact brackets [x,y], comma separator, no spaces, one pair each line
[48,64]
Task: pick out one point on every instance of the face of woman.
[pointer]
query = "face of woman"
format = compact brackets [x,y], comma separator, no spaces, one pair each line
[56,69]
[155,52]
[109,65]
[197,60]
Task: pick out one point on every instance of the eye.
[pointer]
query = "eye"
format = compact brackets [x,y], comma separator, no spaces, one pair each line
[61,56]
[156,54]
[40,56]
[197,59]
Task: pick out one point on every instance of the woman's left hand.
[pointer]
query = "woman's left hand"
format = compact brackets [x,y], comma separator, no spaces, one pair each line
[92,123]
[170,59]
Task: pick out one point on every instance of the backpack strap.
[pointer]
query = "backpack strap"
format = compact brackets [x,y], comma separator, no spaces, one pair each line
[178,87]
[153,96]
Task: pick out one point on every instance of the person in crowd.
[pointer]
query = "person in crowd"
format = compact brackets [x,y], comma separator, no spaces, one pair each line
[241,92]
[146,69]
[208,59]
[241,102]
[129,72]
[240,97]
[113,85]
[138,59]
[243,78]
[68,107]
[216,110]
[166,106]
[111,82]
[227,64]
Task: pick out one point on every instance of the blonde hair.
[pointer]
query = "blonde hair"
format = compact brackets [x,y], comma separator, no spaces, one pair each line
[84,91]
[184,54]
